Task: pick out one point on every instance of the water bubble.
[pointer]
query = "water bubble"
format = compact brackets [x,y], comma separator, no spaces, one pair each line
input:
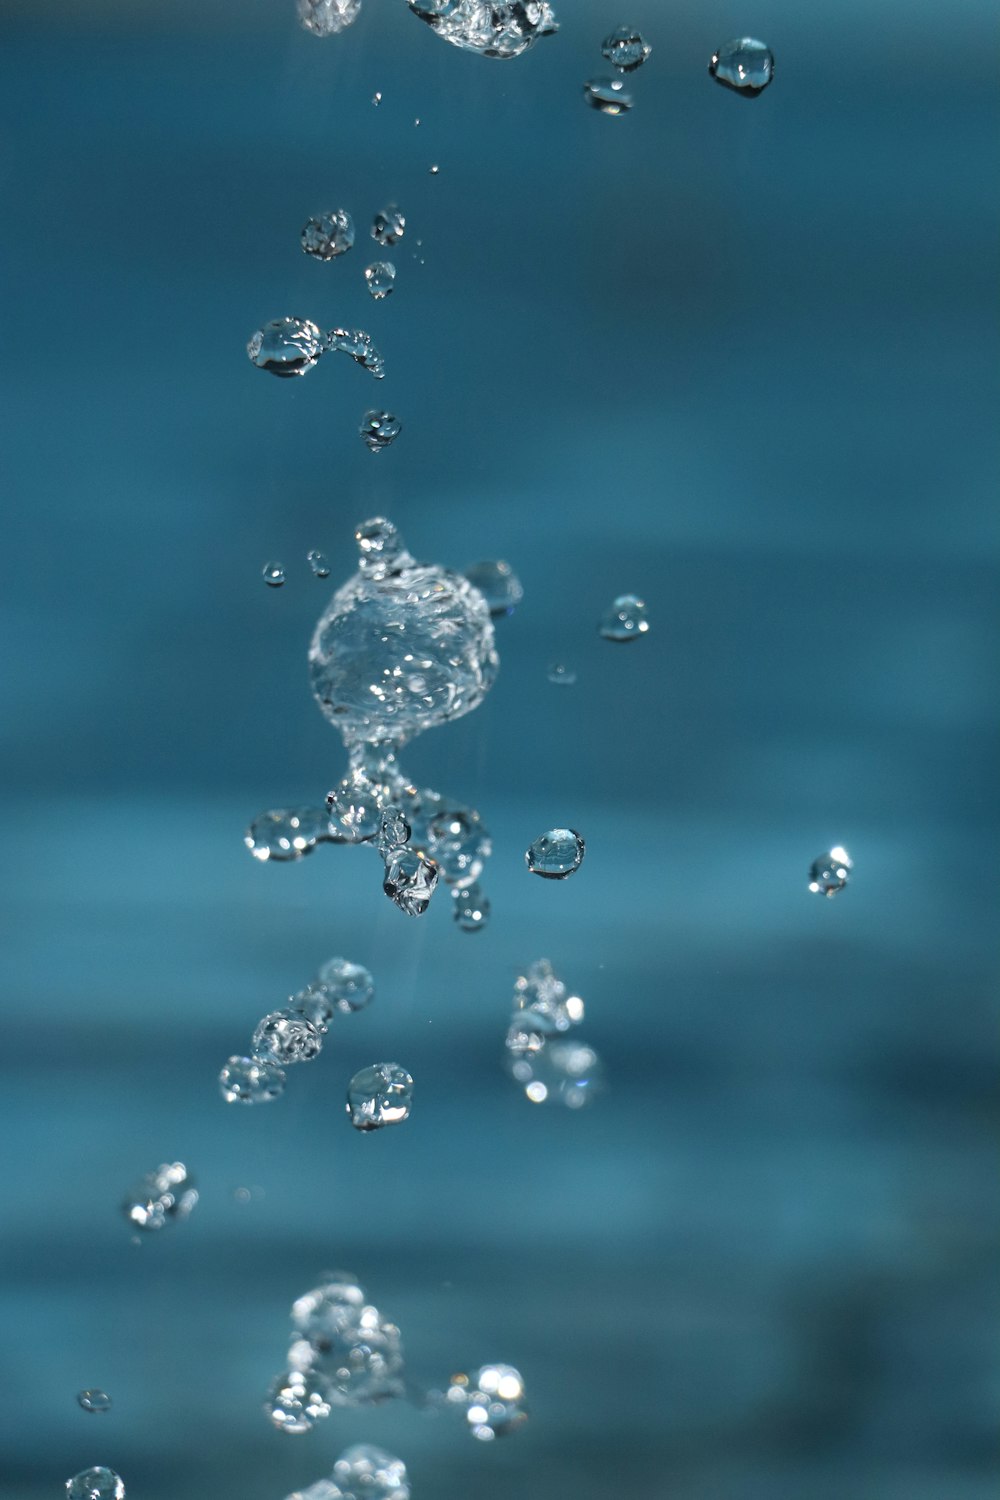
[608,95]
[379,429]
[562,1071]
[287,346]
[359,345]
[369,1473]
[492,1399]
[379,1095]
[287,833]
[830,873]
[458,844]
[561,675]
[625,48]
[492,29]
[540,991]
[95,1484]
[380,278]
[164,1196]
[298,1400]
[327,17]
[328,235]
[625,619]
[94,1400]
[251,1080]
[744,65]
[317,561]
[389,225]
[555,854]
[498,584]
[471,908]
[394,832]
[274,574]
[350,986]
[409,881]
[287,1037]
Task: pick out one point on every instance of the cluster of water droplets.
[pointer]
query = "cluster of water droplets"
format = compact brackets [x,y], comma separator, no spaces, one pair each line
[166,1195]
[830,873]
[491,1400]
[293,346]
[550,1066]
[362,1472]
[626,50]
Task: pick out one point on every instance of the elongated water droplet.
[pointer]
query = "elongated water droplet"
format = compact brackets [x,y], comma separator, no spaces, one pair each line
[317,561]
[287,1037]
[625,48]
[379,429]
[251,1080]
[377,98]
[379,1095]
[380,278]
[95,1484]
[556,854]
[625,619]
[608,95]
[830,873]
[389,225]
[287,346]
[94,1399]
[745,65]
[328,235]
[287,833]
[360,346]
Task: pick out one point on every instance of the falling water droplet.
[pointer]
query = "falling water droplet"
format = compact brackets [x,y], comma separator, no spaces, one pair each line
[317,561]
[471,908]
[625,619]
[433,171]
[540,991]
[745,65]
[561,675]
[493,28]
[251,1080]
[328,235]
[327,17]
[360,346]
[380,278]
[273,574]
[368,1473]
[555,854]
[287,833]
[298,1400]
[409,881]
[457,842]
[625,48]
[498,584]
[492,1399]
[379,429]
[163,1196]
[287,1037]
[287,346]
[377,98]
[608,95]
[562,1071]
[388,225]
[830,873]
[95,1484]
[350,986]
[94,1400]
[379,1095]
[354,810]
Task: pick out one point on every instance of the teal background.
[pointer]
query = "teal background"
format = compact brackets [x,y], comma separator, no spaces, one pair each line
[738,357]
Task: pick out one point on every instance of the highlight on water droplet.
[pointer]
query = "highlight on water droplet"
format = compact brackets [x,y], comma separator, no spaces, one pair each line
[380,278]
[608,95]
[625,619]
[556,854]
[273,574]
[328,235]
[95,1484]
[287,346]
[830,873]
[317,561]
[625,49]
[379,1095]
[745,65]
[388,225]
[379,429]
[434,170]
[94,1399]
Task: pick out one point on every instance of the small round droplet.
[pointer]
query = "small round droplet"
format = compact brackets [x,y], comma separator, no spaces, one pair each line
[379,429]
[379,1095]
[317,561]
[745,65]
[608,95]
[94,1399]
[164,1196]
[830,873]
[433,171]
[560,675]
[555,854]
[389,225]
[350,986]
[380,279]
[273,574]
[251,1080]
[498,584]
[625,620]
[471,908]
[492,1399]
[369,1473]
[328,235]
[327,17]
[287,346]
[625,49]
[287,1037]
[298,1400]
[409,881]
[377,98]
[95,1484]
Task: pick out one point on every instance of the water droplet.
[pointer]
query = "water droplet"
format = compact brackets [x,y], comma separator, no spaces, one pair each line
[298,1400]
[361,348]
[287,1037]
[609,95]
[380,278]
[328,235]
[323,1315]
[94,1400]
[287,346]
[317,561]
[287,833]
[528,1032]
[492,29]
[831,872]
[555,854]
[409,881]
[562,1071]
[498,584]
[379,429]
[625,48]
[744,65]
[377,98]
[343,1337]
[274,574]
[251,1080]
[540,991]
[394,833]
[327,17]
[95,1484]
[320,1489]
[561,675]
[433,171]
[389,225]
[379,1095]
[354,810]
[471,908]
[369,1473]
[163,1196]
[492,1399]
[457,842]
[350,986]
[625,619]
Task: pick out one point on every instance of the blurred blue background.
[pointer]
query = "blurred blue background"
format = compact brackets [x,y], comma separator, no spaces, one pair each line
[738,357]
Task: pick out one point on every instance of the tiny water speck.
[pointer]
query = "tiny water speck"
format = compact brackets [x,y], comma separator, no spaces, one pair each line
[380,278]
[625,48]
[377,98]
[608,95]
[287,1037]
[327,17]
[745,65]
[434,170]
[498,584]
[317,561]
[472,908]
[379,429]
[273,574]
[625,619]
[560,675]
[328,235]
[379,1095]
[95,1484]
[94,1400]
[388,225]
[251,1080]
[556,854]
[365,1472]
[287,346]
[830,873]
[164,1196]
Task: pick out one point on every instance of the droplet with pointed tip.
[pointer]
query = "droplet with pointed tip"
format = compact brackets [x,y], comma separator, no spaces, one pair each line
[555,855]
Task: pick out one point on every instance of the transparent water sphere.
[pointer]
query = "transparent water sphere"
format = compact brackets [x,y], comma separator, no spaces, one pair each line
[402,646]
[274,574]
[380,278]
[379,429]
[349,985]
[498,584]
[556,854]
[298,1400]
[459,845]
[328,235]
[287,346]
[492,1399]
[625,619]
[327,17]
[625,48]
[562,1071]
[288,1037]
[745,65]
[251,1080]
[471,908]
[95,1484]
[379,1095]
[94,1400]
[503,30]
[370,1473]
[164,1196]
[287,833]
[830,873]
[354,809]
[608,95]
[388,225]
